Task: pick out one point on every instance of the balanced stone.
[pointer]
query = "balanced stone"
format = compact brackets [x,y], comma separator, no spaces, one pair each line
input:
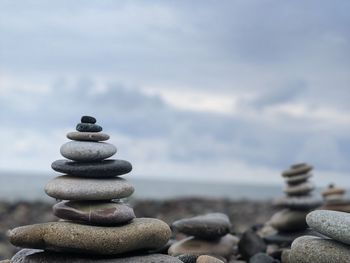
[331,190]
[297,169]
[87,151]
[300,189]
[297,179]
[289,220]
[194,246]
[298,202]
[333,224]
[88,119]
[209,226]
[106,168]
[94,212]
[88,136]
[74,188]
[309,249]
[140,234]
[88,127]
[39,256]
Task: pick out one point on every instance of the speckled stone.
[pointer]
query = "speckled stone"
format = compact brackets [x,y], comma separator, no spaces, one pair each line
[297,169]
[87,151]
[333,224]
[187,258]
[208,259]
[191,245]
[74,188]
[285,256]
[288,220]
[95,213]
[88,136]
[309,249]
[106,168]
[297,179]
[39,256]
[299,202]
[88,127]
[140,234]
[88,119]
[300,189]
[209,226]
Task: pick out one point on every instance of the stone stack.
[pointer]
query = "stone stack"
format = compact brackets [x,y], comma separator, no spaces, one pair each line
[298,202]
[96,225]
[334,198]
[334,247]
[206,235]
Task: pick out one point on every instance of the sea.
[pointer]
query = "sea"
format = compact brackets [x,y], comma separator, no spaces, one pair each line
[23,186]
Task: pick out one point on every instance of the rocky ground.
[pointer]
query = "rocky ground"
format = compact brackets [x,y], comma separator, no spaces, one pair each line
[243,213]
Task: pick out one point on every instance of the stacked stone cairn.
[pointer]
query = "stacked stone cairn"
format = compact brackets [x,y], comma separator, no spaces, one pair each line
[334,198]
[203,237]
[290,222]
[333,247]
[96,225]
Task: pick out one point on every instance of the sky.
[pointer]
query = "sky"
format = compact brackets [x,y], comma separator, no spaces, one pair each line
[231,91]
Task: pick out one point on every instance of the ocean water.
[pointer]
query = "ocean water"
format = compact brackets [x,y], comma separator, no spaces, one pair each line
[18,186]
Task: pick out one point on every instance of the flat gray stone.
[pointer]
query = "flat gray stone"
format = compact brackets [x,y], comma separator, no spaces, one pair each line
[88,136]
[39,256]
[139,234]
[209,226]
[309,249]
[333,224]
[106,168]
[74,188]
[299,189]
[87,151]
[297,179]
[94,212]
[297,169]
[299,202]
[288,220]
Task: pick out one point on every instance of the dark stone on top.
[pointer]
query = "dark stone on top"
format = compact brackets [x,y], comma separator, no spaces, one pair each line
[209,226]
[103,169]
[250,244]
[187,258]
[88,127]
[263,258]
[88,119]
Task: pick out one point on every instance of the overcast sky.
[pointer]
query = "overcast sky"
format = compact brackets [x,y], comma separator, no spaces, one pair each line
[202,90]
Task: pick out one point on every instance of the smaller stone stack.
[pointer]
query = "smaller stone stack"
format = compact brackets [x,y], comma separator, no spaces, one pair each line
[298,202]
[206,235]
[334,198]
[333,247]
[96,225]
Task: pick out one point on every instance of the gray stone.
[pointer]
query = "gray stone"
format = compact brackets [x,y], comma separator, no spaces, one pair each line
[140,234]
[285,256]
[297,179]
[299,202]
[333,224]
[300,189]
[88,119]
[193,246]
[94,212]
[88,127]
[308,249]
[106,168]
[209,226]
[297,169]
[250,244]
[39,256]
[262,258]
[188,258]
[88,136]
[87,151]
[285,239]
[74,188]
[288,220]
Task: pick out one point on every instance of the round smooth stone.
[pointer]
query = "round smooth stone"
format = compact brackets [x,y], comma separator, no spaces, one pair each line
[297,169]
[308,249]
[139,234]
[220,247]
[88,119]
[250,244]
[297,179]
[288,220]
[95,213]
[299,189]
[103,169]
[88,127]
[208,259]
[87,151]
[40,256]
[209,226]
[332,224]
[88,136]
[74,188]
[299,202]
